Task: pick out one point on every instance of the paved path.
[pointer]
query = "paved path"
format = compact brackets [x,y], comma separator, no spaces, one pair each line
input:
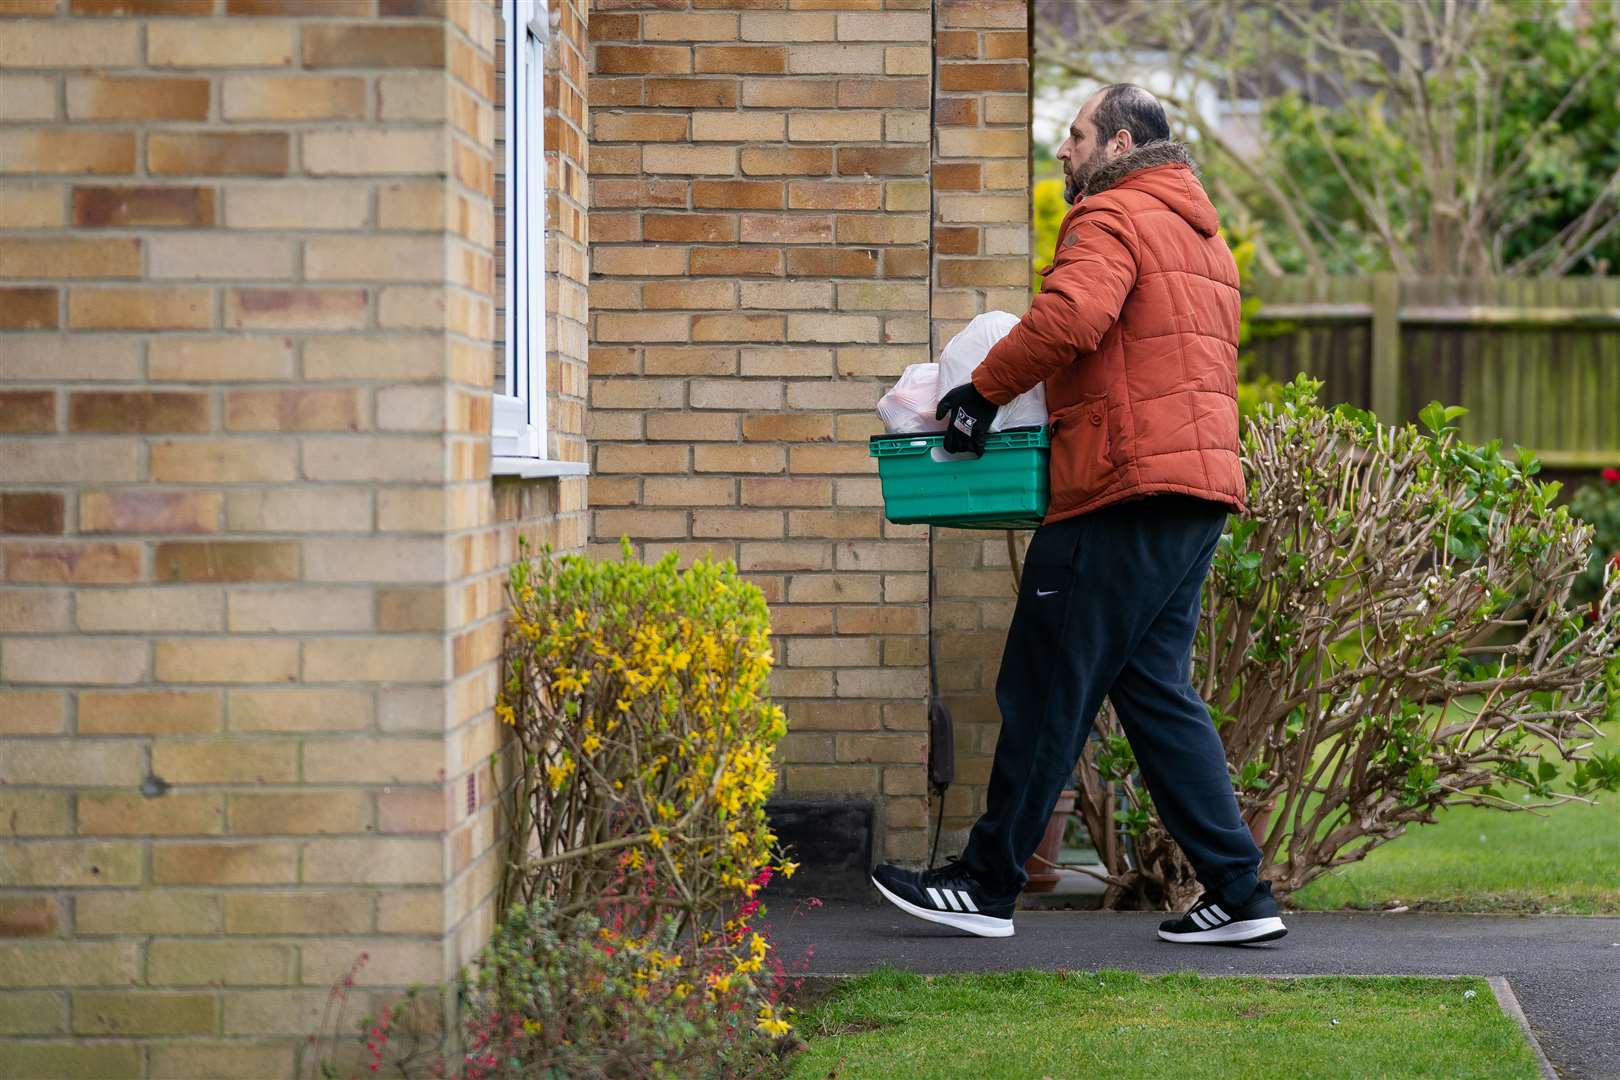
[1564,970]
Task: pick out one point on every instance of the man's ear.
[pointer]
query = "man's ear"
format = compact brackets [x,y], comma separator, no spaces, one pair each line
[1122,143]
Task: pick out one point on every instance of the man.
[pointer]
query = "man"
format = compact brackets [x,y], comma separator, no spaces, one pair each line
[1135,336]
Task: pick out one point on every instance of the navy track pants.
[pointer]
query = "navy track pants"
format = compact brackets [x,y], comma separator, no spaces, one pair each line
[1109,605]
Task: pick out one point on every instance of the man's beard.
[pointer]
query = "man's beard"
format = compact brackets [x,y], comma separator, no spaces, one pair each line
[1074,182]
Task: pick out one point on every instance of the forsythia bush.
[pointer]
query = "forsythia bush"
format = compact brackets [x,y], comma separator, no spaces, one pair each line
[643,752]
[637,695]
[640,760]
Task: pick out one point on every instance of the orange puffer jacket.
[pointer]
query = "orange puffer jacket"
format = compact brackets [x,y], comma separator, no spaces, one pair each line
[1135,335]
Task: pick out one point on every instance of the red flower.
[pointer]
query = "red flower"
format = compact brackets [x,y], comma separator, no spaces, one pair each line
[1614,560]
[1611,475]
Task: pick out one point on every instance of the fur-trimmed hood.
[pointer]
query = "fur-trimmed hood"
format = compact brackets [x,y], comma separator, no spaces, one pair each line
[1178,188]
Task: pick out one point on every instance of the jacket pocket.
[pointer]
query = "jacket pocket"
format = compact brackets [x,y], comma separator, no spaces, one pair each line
[1081,458]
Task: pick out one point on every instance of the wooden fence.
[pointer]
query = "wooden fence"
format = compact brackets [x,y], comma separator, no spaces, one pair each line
[1537,362]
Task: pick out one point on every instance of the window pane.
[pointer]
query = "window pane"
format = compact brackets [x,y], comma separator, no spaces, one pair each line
[500,200]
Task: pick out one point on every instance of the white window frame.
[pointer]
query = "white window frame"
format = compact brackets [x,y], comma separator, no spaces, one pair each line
[518,430]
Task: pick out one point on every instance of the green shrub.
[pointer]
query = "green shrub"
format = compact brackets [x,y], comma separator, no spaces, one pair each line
[1598,504]
[577,997]
[581,996]
[1386,632]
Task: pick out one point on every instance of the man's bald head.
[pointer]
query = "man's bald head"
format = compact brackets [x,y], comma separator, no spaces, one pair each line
[1113,122]
[1126,107]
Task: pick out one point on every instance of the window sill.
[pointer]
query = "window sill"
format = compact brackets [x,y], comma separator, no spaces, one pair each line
[531,468]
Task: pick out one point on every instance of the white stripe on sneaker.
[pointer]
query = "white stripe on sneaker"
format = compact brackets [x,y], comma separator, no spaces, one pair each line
[980,924]
[1202,918]
[967,901]
[933,894]
[950,899]
[1219,914]
[1237,932]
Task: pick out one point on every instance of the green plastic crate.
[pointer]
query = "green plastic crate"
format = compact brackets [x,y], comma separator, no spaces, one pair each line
[1007,488]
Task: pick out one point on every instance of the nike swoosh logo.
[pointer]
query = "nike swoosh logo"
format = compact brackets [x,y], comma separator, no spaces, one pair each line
[1044,595]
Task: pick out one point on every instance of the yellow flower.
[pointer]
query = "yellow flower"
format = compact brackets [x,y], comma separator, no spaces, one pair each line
[770,1022]
[787,868]
[533,1027]
[591,744]
[566,681]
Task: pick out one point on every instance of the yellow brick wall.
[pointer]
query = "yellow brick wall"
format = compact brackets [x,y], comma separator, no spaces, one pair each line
[760,271]
[791,201]
[250,551]
[539,513]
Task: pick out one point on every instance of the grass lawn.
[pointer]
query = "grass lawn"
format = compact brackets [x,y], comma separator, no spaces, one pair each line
[1565,861]
[1028,1025]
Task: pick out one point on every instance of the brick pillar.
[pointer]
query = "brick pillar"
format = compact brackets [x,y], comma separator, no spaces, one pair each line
[981,263]
[759,231]
[251,555]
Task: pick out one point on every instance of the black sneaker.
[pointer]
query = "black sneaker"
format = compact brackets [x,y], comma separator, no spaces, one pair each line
[1211,923]
[949,896]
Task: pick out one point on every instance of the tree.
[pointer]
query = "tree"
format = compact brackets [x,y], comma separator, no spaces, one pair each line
[1436,137]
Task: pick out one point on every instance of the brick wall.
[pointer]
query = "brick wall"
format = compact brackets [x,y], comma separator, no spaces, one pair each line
[981,263]
[250,553]
[545,513]
[760,231]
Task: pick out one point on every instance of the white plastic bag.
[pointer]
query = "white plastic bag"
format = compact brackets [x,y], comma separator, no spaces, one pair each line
[967,350]
[908,408]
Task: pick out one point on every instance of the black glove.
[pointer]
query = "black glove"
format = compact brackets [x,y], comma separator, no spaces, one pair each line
[971,413]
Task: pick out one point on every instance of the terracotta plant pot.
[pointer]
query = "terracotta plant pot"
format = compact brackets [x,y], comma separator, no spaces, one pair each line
[1042,876]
